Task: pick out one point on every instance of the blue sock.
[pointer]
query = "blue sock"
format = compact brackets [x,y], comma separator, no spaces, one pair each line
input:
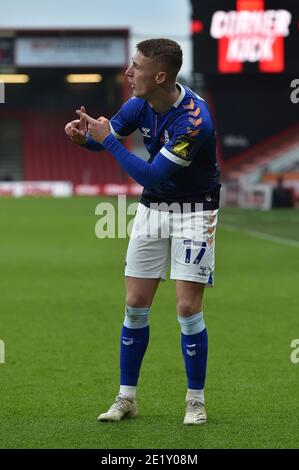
[194,343]
[133,343]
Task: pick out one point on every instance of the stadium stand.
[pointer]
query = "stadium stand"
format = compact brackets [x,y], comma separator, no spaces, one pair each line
[50,156]
[33,143]
[267,172]
[283,147]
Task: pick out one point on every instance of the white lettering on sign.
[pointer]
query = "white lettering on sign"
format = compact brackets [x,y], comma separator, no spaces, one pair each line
[251,34]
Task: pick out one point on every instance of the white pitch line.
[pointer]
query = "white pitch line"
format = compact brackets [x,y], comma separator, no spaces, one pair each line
[261,235]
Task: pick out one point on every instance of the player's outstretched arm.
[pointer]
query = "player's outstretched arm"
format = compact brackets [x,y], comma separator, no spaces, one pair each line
[147,174]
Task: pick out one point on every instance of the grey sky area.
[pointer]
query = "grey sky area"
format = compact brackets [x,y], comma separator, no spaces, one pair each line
[144,19]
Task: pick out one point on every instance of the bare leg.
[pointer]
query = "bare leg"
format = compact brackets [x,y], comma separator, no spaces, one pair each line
[189,297]
[140,292]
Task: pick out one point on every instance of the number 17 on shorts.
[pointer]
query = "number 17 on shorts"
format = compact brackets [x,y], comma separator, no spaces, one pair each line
[192,260]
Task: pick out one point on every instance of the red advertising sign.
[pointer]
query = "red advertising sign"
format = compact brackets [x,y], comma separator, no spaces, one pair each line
[245,36]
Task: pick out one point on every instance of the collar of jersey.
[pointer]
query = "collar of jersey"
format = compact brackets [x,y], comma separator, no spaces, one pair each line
[181,97]
[178,101]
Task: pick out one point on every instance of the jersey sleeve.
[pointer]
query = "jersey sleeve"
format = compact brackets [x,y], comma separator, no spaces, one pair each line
[91,144]
[122,124]
[125,121]
[191,131]
[147,174]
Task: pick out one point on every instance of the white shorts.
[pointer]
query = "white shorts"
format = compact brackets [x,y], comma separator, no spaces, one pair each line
[185,241]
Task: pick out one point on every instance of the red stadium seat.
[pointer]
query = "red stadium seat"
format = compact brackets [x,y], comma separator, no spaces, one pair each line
[50,155]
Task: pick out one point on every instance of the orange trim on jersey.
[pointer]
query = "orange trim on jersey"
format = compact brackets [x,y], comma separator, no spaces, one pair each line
[210,241]
[191,132]
[194,113]
[190,105]
[195,123]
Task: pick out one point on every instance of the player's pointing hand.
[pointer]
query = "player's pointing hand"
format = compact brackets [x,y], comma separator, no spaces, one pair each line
[77,129]
[98,129]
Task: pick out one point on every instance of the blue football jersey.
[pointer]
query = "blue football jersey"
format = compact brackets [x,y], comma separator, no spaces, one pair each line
[186,136]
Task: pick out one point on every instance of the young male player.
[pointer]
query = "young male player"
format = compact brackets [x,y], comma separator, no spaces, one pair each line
[179,134]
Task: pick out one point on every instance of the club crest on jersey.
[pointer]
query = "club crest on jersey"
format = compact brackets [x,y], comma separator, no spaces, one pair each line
[146,132]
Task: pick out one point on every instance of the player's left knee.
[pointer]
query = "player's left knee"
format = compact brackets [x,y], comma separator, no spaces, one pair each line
[186,308]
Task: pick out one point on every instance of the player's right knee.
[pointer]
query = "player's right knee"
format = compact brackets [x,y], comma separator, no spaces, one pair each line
[138,300]
[136,317]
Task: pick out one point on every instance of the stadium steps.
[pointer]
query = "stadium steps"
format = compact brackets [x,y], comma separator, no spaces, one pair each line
[262,155]
[11,155]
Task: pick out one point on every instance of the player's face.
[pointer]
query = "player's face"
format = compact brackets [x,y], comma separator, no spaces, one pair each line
[142,75]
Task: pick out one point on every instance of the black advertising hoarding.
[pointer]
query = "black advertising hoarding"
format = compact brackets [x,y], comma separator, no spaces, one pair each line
[246,36]
[250,109]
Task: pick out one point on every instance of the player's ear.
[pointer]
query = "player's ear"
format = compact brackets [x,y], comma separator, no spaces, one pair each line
[161,77]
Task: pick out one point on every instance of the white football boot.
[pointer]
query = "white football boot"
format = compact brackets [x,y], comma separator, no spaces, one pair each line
[121,408]
[195,412]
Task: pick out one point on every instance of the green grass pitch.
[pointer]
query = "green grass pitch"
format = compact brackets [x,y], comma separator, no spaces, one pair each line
[61,310]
